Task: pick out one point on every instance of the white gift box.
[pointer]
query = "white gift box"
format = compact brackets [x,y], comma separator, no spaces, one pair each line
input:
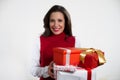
[79,74]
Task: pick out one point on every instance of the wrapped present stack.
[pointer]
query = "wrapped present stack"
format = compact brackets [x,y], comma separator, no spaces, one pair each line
[77,63]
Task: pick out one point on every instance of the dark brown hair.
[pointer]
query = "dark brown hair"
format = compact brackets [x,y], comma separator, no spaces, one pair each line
[57,8]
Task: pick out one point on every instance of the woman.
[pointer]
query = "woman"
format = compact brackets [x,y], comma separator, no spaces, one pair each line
[58,33]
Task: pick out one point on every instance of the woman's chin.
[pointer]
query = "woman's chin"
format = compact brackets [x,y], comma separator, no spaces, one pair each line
[57,33]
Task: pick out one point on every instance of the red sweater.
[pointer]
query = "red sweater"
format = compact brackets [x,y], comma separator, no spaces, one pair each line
[47,45]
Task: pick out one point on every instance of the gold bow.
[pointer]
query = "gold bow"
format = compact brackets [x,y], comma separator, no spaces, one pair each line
[86,51]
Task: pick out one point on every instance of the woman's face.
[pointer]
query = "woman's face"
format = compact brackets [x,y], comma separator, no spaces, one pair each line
[57,23]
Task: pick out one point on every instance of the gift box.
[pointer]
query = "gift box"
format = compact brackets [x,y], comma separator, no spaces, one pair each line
[78,74]
[66,56]
[91,58]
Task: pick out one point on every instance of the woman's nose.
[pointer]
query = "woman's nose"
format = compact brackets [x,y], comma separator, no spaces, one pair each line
[56,23]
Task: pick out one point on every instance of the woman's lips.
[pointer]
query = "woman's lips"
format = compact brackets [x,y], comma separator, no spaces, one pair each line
[56,29]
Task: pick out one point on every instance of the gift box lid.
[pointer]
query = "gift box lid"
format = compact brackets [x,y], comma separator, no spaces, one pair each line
[64,51]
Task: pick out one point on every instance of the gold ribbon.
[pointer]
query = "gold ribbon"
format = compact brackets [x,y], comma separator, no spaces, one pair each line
[86,51]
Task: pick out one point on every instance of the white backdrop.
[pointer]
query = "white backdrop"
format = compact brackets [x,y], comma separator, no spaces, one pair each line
[95,22]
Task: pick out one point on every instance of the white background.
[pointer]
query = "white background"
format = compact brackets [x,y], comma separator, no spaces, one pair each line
[95,22]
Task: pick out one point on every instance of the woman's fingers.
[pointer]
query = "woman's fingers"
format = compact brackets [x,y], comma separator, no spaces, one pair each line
[50,70]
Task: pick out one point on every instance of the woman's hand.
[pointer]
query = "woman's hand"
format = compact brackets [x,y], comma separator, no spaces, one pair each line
[50,70]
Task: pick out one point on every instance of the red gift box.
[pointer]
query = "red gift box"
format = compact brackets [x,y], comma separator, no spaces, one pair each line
[66,56]
[91,58]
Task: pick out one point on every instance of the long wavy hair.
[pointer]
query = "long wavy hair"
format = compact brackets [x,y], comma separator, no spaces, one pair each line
[57,8]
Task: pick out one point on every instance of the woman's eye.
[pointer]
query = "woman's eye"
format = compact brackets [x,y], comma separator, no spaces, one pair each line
[59,20]
[51,20]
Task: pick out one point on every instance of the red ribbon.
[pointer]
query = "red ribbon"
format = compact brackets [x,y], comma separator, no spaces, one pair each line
[89,74]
